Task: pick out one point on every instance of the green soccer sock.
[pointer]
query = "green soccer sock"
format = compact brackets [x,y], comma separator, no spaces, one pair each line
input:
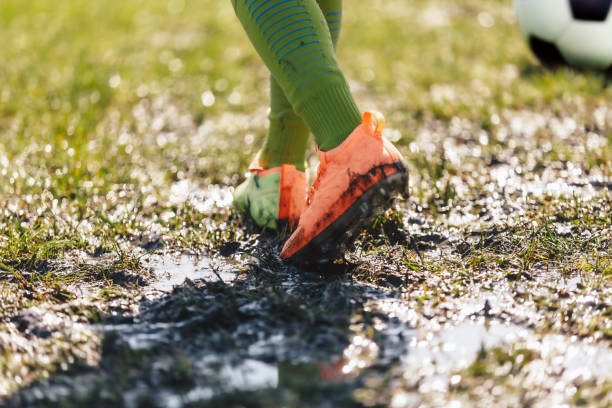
[332,11]
[288,133]
[293,39]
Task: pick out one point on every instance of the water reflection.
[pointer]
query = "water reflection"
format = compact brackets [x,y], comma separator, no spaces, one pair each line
[208,336]
[429,355]
[252,375]
[171,272]
[246,375]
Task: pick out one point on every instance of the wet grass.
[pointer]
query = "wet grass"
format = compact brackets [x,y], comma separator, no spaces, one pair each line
[124,126]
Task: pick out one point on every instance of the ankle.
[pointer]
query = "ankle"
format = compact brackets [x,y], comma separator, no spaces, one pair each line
[332,116]
[286,142]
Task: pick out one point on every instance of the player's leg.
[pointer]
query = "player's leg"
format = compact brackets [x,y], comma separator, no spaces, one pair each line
[261,195]
[288,133]
[358,168]
[293,39]
[332,11]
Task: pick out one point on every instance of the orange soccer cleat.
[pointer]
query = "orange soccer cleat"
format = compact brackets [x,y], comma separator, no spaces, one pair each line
[353,181]
[272,197]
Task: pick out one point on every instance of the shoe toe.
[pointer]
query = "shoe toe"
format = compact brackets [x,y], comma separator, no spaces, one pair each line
[293,244]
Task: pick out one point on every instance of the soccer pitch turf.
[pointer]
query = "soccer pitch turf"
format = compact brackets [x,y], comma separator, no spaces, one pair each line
[126,278]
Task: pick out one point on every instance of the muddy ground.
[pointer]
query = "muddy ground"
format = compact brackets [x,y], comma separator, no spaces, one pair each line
[497,296]
[126,279]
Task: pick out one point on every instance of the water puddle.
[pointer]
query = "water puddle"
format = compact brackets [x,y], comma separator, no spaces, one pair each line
[206,331]
[432,354]
[435,356]
[169,272]
[225,377]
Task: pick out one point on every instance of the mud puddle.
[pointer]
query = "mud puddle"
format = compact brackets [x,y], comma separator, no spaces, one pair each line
[205,335]
[170,272]
[434,360]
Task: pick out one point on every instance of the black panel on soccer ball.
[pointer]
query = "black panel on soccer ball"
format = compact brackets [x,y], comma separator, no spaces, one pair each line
[591,10]
[547,52]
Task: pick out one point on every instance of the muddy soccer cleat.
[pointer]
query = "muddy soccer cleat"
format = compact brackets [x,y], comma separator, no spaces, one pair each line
[272,197]
[353,181]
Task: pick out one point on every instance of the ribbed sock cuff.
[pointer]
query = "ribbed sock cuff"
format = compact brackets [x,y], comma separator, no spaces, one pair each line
[331,115]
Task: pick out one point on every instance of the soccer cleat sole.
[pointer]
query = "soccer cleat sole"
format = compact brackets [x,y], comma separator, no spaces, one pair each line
[342,232]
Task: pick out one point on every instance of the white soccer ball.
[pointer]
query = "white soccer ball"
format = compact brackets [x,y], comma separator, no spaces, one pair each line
[576,32]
